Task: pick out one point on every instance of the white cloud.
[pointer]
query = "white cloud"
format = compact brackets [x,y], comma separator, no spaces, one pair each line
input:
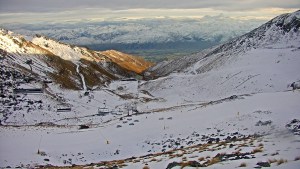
[95,14]
[62,5]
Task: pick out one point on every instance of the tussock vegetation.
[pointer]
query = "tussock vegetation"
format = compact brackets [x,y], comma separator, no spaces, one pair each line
[94,74]
[94,66]
[237,152]
[261,145]
[120,162]
[257,150]
[201,158]
[153,159]
[184,164]
[281,161]
[243,164]
[272,161]
[213,161]
[66,72]
[146,167]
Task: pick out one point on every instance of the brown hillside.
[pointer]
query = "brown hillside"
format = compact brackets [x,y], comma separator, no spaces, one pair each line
[128,62]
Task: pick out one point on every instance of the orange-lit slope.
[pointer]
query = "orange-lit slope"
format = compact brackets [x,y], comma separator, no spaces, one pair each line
[126,61]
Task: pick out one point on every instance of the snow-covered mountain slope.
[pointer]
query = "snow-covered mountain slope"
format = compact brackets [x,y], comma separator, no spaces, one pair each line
[282,31]
[59,61]
[264,60]
[250,129]
[219,112]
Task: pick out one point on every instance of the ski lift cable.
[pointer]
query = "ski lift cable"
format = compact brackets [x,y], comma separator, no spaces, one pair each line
[84,104]
[107,141]
[97,100]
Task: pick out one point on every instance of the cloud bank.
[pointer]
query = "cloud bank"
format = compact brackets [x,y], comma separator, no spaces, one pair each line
[55,11]
[22,6]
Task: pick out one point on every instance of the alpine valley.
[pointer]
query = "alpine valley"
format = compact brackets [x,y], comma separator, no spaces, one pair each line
[232,105]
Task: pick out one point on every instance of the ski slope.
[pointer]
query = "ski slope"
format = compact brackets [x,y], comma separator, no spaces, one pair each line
[20,145]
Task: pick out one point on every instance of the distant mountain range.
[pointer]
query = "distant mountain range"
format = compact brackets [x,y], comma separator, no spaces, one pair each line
[146,37]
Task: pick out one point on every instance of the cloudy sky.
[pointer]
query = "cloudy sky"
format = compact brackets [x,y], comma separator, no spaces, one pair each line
[31,11]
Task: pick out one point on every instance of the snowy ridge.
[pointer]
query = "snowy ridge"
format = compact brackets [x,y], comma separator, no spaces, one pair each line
[15,43]
[21,50]
[65,51]
[282,31]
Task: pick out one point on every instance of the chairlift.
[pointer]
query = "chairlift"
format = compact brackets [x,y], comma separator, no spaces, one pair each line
[63,108]
[103,111]
[28,91]
[120,112]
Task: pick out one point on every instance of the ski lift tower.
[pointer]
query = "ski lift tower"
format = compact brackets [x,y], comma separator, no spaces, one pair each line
[104,103]
[134,107]
[127,107]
